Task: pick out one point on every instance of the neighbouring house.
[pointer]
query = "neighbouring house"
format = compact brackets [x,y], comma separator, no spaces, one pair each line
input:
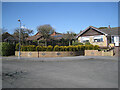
[6,37]
[55,38]
[101,37]
[38,37]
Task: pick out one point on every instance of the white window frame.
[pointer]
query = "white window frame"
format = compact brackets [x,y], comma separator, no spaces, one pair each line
[84,39]
[98,37]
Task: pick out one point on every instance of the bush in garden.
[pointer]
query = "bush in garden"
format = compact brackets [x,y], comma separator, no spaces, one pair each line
[8,49]
[86,47]
[77,43]
[87,43]
[39,48]
[91,47]
[96,47]
[31,48]
[81,47]
[61,48]
[0,48]
[66,48]
[76,48]
[24,48]
[70,48]
[56,48]
[44,48]
[17,47]
[21,48]
[49,48]
[41,44]
[12,49]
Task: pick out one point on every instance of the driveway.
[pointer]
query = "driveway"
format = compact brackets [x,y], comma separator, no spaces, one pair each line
[65,72]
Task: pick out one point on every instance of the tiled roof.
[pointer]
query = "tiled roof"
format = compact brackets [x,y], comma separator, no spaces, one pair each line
[37,36]
[112,31]
[8,37]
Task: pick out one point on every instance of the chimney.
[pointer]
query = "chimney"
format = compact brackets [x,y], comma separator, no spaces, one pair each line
[109,27]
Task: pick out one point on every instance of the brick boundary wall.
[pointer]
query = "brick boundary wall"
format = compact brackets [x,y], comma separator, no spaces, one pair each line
[98,53]
[49,54]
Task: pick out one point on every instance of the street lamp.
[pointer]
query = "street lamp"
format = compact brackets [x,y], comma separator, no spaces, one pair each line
[19,38]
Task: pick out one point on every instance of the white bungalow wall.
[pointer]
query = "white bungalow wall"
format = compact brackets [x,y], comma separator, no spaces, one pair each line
[116,40]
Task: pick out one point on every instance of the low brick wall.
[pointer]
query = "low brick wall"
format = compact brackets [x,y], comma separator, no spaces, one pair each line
[98,53]
[48,53]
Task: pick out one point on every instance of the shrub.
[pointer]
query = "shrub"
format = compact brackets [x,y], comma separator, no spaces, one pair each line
[76,48]
[65,48]
[44,48]
[49,48]
[17,47]
[87,43]
[0,48]
[31,48]
[23,48]
[56,48]
[39,48]
[61,48]
[77,43]
[91,47]
[86,47]
[8,49]
[70,48]
[81,47]
[41,44]
[96,47]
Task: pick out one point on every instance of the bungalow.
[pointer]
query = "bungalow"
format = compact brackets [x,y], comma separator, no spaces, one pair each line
[55,38]
[101,37]
[39,37]
[6,37]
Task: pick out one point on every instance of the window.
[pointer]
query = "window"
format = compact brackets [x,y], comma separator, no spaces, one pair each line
[119,38]
[98,38]
[84,39]
[112,39]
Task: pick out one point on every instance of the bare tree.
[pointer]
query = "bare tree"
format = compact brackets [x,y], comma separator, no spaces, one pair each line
[45,31]
[24,33]
[70,36]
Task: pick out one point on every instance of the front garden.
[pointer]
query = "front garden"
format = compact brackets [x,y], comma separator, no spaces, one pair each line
[53,51]
[9,49]
[57,48]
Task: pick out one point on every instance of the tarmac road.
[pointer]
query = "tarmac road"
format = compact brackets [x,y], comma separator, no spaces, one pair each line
[79,72]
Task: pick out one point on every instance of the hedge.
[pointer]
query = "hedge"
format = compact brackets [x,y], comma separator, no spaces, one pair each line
[77,43]
[58,48]
[7,49]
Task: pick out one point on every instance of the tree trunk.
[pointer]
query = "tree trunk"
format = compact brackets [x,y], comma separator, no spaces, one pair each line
[38,42]
[46,43]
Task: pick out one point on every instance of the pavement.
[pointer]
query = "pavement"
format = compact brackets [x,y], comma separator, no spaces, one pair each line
[61,58]
[60,72]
